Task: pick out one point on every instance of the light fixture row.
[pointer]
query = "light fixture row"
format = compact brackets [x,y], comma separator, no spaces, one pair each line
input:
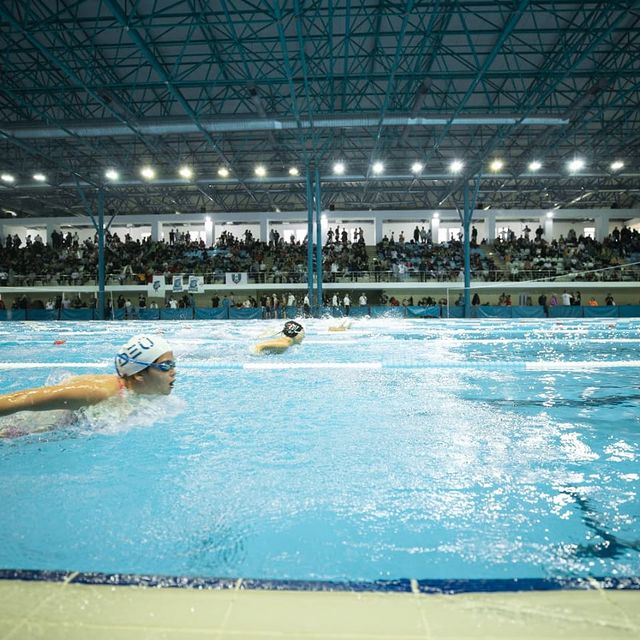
[339,168]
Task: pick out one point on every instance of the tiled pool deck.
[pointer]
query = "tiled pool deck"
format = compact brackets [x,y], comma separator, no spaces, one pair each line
[62,609]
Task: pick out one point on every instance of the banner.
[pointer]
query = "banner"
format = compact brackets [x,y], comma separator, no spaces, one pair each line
[196,284]
[236,278]
[156,288]
[177,284]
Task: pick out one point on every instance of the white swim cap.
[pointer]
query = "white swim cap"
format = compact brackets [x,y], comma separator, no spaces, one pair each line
[138,353]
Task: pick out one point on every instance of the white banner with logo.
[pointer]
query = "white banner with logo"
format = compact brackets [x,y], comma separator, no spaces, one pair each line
[236,278]
[156,288]
[177,284]
[196,284]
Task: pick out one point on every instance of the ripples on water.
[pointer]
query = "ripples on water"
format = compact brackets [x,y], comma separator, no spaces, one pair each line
[492,471]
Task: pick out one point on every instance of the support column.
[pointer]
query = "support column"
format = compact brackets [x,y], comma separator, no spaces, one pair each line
[264,230]
[377,233]
[310,235]
[101,265]
[466,237]
[48,232]
[490,224]
[208,231]
[319,239]
[435,228]
[602,227]
[156,231]
[547,225]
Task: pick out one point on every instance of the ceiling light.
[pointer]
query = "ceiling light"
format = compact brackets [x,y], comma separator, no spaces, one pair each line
[186,172]
[293,171]
[377,167]
[39,177]
[148,173]
[223,172]
[535,165]
[7,177]
[456,166]
[417,167]
[260,171]
[496,165]
[617,165]
[576,165]
[339,168]
[111,174]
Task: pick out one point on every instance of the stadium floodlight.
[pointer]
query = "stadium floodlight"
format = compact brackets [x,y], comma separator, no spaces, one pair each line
[339,168]
[148,173]
[456,166]
[617,165]
[223,172]
[294,171]
[377,168]
[575,165]
[186,172]
[7,177]
[496,165]
[535,165]
[111,174]
[261,171]
[417,167]
[39,177]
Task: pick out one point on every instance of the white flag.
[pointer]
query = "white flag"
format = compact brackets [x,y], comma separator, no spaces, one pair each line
[196,284]
[236,278]
[156,288]
[177,284]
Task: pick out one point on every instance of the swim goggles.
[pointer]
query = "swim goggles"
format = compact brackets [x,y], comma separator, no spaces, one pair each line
[165,365]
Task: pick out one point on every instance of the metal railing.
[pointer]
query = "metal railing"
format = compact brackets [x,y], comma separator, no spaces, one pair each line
[612,274]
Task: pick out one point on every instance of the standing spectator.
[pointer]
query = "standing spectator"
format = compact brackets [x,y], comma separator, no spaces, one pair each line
[346,301]
[566,298]
[609,301]
[362,300]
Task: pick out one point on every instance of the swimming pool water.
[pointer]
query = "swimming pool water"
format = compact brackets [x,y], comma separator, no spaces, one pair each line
[398,449]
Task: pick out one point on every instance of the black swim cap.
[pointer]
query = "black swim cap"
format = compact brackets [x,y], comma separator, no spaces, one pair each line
[292,328]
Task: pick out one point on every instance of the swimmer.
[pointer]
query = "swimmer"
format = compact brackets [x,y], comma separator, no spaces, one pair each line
[343,326]
[144,365]
[292,333]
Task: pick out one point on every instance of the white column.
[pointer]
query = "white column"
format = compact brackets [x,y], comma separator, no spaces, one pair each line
[435,229]
[156,231]
[377,229]
[209,228]
[490,227]
[48,231]
[264,230]
[602,226]
[547,225]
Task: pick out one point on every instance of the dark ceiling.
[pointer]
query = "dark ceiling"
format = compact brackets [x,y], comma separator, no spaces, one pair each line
[98,84]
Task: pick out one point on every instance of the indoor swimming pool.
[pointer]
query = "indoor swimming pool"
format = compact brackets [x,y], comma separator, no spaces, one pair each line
[399,450]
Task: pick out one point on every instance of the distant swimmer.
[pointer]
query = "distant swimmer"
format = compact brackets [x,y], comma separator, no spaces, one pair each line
[144,365]
[292,333]
[343,326]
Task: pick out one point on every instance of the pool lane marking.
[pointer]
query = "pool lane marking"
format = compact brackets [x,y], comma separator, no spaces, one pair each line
[552,365]
[53,365]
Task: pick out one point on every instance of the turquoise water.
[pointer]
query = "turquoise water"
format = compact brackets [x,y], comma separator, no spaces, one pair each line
[398,449]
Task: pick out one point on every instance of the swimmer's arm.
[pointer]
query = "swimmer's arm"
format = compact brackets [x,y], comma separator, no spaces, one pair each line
[278,343]
[74,394]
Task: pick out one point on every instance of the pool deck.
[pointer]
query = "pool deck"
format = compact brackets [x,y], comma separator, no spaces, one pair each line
[51,610]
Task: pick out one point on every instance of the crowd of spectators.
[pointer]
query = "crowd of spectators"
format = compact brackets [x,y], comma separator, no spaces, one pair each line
[346,258]
[527,258]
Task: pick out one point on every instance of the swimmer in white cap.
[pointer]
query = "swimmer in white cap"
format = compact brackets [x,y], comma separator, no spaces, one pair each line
[292,333]
[144,365]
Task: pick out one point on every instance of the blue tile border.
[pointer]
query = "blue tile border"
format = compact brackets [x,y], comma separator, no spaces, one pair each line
[404,585]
